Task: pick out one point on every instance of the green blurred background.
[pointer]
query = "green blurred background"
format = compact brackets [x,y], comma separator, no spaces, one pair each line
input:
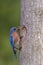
[9,16]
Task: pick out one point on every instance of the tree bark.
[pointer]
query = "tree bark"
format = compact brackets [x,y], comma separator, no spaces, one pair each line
[32,44]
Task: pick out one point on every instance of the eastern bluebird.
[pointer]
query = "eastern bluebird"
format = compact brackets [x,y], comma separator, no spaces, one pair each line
[14,39]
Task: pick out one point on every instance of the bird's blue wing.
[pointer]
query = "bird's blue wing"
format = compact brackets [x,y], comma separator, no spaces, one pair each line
[12,44]
[11,41]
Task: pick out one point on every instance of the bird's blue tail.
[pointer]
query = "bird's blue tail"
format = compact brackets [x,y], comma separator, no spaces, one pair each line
[14,50]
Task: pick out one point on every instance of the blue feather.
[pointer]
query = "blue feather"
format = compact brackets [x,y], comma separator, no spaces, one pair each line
[13,29]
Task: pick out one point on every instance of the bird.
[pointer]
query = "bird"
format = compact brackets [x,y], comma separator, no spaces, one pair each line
[14,39]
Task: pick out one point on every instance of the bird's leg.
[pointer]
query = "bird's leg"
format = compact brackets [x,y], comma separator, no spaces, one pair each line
[16,48]
[20,48]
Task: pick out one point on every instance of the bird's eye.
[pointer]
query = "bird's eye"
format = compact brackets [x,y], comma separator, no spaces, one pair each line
[14,29]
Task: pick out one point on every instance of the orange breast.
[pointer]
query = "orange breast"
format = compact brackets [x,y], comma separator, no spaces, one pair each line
[15,36]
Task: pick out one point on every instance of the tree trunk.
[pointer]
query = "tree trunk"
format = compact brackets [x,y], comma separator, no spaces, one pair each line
[32,44]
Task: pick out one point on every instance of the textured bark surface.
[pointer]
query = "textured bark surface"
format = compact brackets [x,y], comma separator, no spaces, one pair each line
[32,44]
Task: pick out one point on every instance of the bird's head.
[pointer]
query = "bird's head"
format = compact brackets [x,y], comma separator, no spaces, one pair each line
[13,29]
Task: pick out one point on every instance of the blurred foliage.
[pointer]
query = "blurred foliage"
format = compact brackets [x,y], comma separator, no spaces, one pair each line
[9,16]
